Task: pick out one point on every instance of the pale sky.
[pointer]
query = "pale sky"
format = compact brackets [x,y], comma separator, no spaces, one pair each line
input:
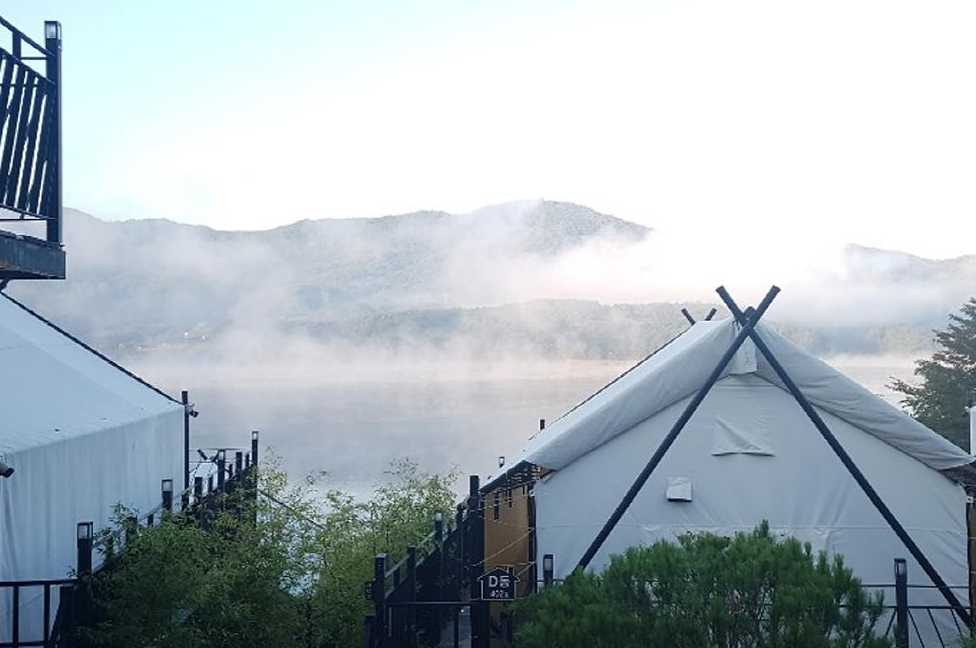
[756,122]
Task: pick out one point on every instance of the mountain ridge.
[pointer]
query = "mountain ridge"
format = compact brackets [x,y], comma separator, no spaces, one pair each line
[139,284]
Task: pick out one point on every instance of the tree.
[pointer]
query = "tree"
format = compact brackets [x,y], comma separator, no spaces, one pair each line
[708,591]
[290,576]
[948,379]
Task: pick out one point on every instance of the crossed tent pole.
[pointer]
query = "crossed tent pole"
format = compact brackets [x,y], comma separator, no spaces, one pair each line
[747,320]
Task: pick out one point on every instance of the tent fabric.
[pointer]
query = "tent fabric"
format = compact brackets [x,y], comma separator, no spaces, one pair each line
[682,368]
[83,436]
[802,490]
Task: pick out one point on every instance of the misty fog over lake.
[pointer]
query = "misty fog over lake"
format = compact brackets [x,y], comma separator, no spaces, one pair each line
[352,431]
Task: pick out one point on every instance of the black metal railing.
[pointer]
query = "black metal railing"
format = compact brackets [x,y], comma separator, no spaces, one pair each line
[420,600]
[30,129]
[73,608]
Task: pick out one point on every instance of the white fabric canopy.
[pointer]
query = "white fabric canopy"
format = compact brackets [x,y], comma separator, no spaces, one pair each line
[681,368]
[748,454]
[83,435]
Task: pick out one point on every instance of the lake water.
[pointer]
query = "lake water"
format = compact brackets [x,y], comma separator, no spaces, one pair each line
[353,431]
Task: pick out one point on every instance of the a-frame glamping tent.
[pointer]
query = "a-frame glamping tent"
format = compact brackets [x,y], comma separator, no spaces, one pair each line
[82,435]
[749,452]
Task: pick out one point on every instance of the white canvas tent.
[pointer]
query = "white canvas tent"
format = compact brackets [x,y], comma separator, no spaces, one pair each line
[82,434]
[749,453]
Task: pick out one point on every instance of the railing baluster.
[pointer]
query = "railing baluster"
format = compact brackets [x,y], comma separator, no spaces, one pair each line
[12,119]
[15,626]
[47,614]
[16,160]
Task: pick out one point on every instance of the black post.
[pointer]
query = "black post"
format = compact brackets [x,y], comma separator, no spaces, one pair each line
[379,600]
[238,463]
[711,314]
[66,610]
[542,424]
[547,570]
[47,614]
[84,563]
[533,540]
[852,468]
[411,596]
[210,484]
[185,397]
[52,43]
[221,470]
[462,564]
[197,489]
[901,603]
[675,431]
[254,448]
[166,490]
[691,320]
[438,589]
[476,564]
[15,629]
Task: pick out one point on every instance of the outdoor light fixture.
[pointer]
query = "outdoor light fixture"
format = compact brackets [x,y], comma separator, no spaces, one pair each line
[901,567]
[254,435]
[85,530]
[52,29]
[167,486]
[438,517]
[547,563]
[220,455]
[501,461]
[5,470]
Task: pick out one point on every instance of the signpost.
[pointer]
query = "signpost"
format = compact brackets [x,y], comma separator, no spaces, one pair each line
[498,585]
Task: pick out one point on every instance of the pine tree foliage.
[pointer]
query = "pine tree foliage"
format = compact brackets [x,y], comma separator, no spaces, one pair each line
[755,590]
[948,379]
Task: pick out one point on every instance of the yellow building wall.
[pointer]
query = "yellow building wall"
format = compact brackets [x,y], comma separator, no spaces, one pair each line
[507,545]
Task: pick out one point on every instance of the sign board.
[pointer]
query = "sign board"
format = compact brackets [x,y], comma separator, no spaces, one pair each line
[498,585]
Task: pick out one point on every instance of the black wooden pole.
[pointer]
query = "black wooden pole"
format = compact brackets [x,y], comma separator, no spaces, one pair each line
[221,468]
[379,600]
[254,448]
[185,397]
[412,596]
[55,213]
[675,431]
[475,554]
[852,468]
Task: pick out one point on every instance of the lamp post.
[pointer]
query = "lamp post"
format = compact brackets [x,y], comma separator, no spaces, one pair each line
[221,467]
[52,43]
[85,536]
[166,489]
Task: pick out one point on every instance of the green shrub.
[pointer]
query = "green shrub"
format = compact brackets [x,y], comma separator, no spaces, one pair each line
[290,576]
[708,591]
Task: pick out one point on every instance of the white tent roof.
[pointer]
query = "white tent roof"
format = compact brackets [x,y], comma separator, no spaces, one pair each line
[54,388]
[681,368]
[83,435]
